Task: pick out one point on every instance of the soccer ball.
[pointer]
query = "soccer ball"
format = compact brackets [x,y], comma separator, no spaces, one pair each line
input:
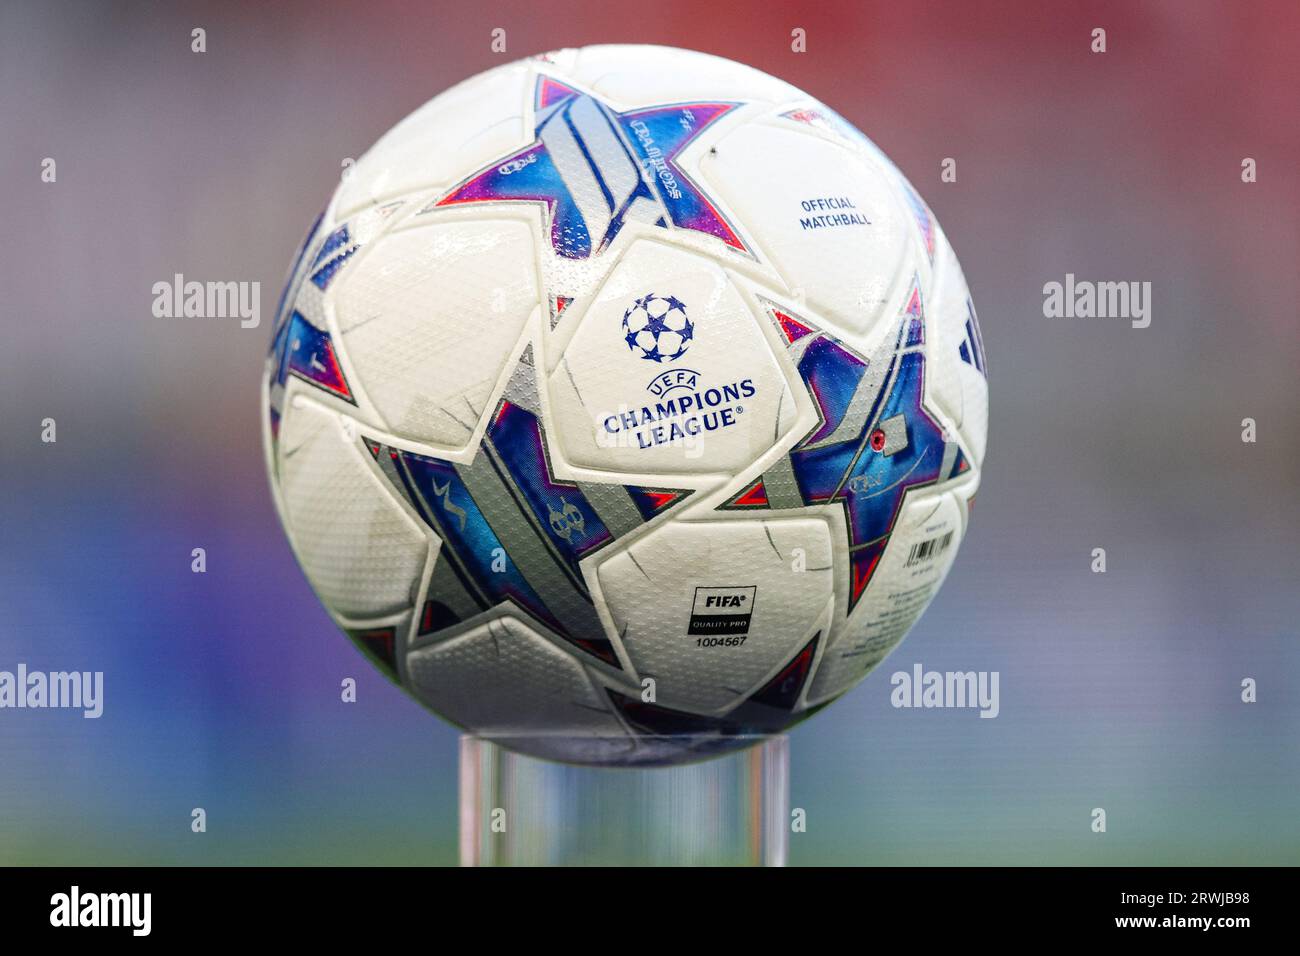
[625,404]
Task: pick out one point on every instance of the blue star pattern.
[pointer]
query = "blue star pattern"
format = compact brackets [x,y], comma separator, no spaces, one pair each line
[594,169]
[874,440]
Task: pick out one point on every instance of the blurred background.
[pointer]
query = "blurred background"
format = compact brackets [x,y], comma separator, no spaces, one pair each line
[1119,690]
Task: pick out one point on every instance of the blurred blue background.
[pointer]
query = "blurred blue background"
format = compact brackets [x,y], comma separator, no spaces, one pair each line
[1119,690]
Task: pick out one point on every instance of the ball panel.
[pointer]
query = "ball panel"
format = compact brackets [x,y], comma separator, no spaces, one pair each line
[716,409]
[679,595]
[429,317]
[444,140]
[957,385]
[946,310]
[361,551]
[916,560]
[974,427]
[502,678]
[832,224]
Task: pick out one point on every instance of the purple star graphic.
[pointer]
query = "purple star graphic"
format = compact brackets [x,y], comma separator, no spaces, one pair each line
[594,169]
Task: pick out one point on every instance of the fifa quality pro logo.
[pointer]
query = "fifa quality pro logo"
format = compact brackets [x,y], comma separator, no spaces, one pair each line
[722,610]
[657,329]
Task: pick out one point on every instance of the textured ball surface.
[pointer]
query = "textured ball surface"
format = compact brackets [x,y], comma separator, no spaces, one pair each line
[625,403]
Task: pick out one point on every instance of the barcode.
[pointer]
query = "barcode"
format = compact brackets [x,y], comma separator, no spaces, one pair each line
[928,549]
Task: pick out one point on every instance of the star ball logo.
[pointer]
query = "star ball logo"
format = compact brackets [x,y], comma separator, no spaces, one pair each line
[657,328]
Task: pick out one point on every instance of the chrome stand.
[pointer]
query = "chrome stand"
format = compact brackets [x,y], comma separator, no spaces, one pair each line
[522,811]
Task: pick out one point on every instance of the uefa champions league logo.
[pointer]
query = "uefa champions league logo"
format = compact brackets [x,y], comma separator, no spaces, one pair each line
[657,328]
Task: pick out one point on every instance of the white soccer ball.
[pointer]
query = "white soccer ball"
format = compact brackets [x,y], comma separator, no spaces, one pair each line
[625,403]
